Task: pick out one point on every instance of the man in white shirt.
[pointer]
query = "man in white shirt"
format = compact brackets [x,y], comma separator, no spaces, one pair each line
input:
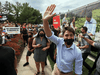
[90,23]
[64,21]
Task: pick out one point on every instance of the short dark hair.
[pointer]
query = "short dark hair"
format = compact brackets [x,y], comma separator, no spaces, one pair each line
[89,15]
[85,28]
[69,29]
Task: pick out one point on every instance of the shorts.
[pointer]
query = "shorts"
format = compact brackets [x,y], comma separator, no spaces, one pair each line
[29,53]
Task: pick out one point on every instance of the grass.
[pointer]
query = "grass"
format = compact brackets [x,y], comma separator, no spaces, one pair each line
[85,70]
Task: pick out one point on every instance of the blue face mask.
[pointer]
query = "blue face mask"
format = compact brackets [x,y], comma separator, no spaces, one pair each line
[69,41]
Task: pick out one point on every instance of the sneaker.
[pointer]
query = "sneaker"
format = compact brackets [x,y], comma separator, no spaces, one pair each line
[26,64]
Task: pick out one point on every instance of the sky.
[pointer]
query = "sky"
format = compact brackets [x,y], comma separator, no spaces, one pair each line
[61,5]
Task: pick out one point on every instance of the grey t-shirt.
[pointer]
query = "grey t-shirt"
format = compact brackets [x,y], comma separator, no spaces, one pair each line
[83,43]
[97,45]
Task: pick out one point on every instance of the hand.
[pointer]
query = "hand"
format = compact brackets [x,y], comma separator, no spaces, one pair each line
[39,45]
[47,15]
[91,34]
[31,50]
[16,70]
[44,49]
[81,36]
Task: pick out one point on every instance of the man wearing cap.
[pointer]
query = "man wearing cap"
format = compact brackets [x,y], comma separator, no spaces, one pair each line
[8,60]
[90,23]
[25,35]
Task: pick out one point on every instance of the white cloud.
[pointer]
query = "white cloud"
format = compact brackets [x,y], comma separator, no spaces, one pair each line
[61,5]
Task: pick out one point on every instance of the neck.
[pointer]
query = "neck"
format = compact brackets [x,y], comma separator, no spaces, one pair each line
[34,33]
[41,37]
[68,46]
[84,33]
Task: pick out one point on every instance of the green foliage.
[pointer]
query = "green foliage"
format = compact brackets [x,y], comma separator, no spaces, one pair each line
[96,16]
[22,13]
[79,23]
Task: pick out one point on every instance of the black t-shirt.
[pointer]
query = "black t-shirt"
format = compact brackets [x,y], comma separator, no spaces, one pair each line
[24,32]
[7,57]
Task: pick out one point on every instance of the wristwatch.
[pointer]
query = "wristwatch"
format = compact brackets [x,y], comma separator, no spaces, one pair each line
[83,37]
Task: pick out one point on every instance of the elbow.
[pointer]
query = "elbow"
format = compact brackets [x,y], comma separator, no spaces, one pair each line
[48,35]
[87,46]
[48,47]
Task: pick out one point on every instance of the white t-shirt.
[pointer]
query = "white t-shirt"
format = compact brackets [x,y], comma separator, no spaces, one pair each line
[72,25]
[35,35]
[3,39]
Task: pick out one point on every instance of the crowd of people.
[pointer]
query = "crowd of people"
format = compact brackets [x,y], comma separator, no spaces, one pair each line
[47,40]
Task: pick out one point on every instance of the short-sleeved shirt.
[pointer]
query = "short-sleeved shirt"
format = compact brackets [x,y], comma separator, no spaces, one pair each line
[24,32]
[97,45]
[7,57]
[83,43]
[64,20]
[72,25]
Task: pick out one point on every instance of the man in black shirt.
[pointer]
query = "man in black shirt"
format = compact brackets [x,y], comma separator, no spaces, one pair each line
[25,35]
[8,60]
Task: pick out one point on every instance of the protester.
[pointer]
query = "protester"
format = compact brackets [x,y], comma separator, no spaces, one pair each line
[97,45]
[90,23]
[30,48]
[8,60]
[41,44]
[7,37]
[25,36]
[84,45]
[64,21]
[72,24]
[67,51]
[3,35]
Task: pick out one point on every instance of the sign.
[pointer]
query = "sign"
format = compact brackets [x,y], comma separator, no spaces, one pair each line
[56,21]
[12,30]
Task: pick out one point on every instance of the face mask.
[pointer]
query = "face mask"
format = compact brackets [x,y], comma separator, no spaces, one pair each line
[41,35]
[30,35]
[69,41]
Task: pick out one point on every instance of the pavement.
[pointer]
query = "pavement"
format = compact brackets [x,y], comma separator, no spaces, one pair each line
[31,68]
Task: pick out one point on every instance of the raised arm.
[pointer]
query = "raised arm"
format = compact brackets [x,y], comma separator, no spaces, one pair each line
[47,15]
[88,40]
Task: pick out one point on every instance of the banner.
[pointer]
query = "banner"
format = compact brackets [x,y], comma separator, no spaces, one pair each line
[12,30]
[56,21]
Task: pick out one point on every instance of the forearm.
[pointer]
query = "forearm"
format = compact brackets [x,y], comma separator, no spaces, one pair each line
[84,47]
[35,46]
[32,49]
[47,47]
[89,41]
[46,28]
[15,62]
[55,52]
